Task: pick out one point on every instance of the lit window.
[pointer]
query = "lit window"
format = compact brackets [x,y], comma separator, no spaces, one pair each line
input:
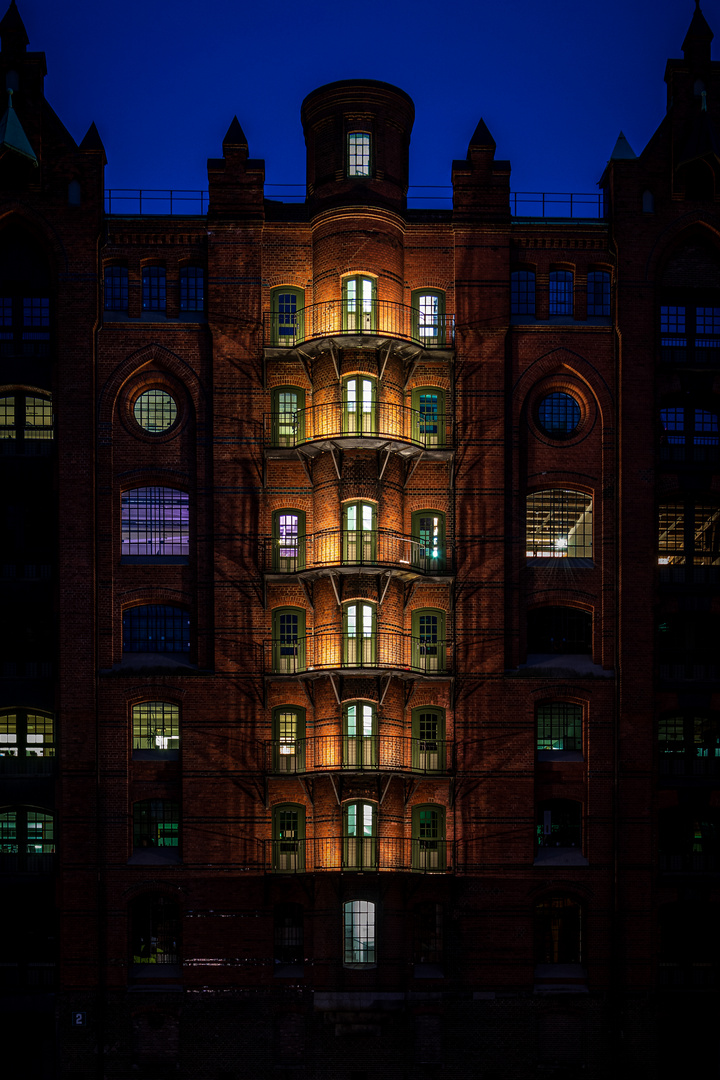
[359,735]
[192,288]
[598,294]
[360,850]
[522,292]
[287,316]
[428,739]
[288,416]
[359,933]
[559,726]
[559,525]
[428,838]
[359,416]
[25,734]
[358,153]
[428,416]
[156,726]
[26,424]
[155,522]
[155,411]
[561,292]
[154,288]
[689,533]
[359,305]
[359,532]
[156,824]
[116,288]
[428,317]
[288,723]
[288,544]
[288,839]
[428,640]
[156,628]
[360,634]
[428,541]
[27,839]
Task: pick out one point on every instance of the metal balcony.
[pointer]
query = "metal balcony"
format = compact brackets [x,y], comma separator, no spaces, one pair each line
[348,549]
[331,651]
[359,753]
[360,854]
[372,321]
[381,426]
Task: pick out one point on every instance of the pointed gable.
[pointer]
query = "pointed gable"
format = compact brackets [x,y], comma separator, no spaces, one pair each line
[12,136]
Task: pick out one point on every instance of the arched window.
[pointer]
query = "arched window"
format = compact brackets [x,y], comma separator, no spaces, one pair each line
[288,541]
[288,627]
[428,541]
[359,532]
[556,629]
[598,294]
[360,739]
[359,305]
[192,288]
[155,933]
[358,153]
[288,416]
[156,628]
[522,292]
[288,723]
[26,423]
[155,524]
[689,433]
[156,728]
[359,406]
[360,850]
[428,838]
[116,288]
[27,839]
[561,292]
[288,839]
[154,288]
[559,727]
[428,640]
[359,948]
[428,416]
[359,634]
[287,315]
[428,315]
[156,824]
[559,524]
[428,739]
[28,737]
[558,931]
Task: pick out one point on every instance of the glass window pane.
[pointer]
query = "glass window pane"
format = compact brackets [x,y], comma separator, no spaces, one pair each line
[358,154]
[155,411]
[155,522]
[559,525]
[156,726]
[561,292]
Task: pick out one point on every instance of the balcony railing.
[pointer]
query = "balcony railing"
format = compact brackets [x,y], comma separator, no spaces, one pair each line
[690,862]
[360,853]
[329,650]
[354,547]
[381,421]
[383,753]
[377,318]
[689,763]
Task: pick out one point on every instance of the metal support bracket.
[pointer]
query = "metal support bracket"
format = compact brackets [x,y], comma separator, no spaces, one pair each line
[337,460]
[412,467]
[333,582]
[388,579]
[383,688]
[304,462]
[382,364]
[382,462]
[410,788]
[337,687]
[337,794]
[306,361]
[307,786]
[409,590]
[308,688]
[384,790]
[308,590]
[410,368]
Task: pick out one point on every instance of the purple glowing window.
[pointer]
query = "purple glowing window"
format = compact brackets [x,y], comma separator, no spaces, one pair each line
[155,522]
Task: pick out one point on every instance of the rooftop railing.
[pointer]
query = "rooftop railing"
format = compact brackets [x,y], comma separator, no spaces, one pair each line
[329,650]
[354,547]
[377,318]
[383,421]
[351,753]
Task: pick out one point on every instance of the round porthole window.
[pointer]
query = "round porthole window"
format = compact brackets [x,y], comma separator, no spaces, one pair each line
[155,411]
[558,415]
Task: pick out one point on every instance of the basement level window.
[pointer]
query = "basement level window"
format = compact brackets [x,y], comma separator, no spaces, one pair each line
[358,155]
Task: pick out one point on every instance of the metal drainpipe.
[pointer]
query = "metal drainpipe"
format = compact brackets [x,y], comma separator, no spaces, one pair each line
[100,1003]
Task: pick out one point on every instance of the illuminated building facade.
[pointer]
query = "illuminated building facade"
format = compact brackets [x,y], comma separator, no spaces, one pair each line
[361,580]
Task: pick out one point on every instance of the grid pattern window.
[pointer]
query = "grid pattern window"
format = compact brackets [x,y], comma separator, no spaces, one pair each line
[288,640]
[559,524]
[154,288]
[561,292]
[27,832]
[522,292]
[559,415]
[116,288]
[192,288]
[359,933]
[358,153]
[288,541]
[155,522]
[26,734]
[288,413]
[156,726]
[156,824]
[428,529]
[359,735]
[289,839]
[559,726]
[287,315]
[428,315]
[689,743]
[428,838]
[24,325]
[36,318]
[156,628]
[360,850]
[689,533]
[26,424]
[288,739]
[707,321]
[428,750]
[428,640]
[154,930]
[598,294]
[155,411]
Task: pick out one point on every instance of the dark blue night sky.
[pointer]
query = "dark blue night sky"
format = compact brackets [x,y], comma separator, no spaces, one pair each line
[554,81]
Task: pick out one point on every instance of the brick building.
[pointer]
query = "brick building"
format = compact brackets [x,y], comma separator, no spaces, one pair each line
[361,583]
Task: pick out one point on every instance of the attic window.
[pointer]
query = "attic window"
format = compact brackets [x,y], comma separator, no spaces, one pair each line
[358,157]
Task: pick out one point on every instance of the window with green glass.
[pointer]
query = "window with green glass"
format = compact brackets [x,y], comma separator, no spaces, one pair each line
[359,634]
[288,739]
[288,552]
[288,628]
[27,838]
[428,739]
[360,836]
[287,314]
[288,416]
[360,750]
[428,640]
[559,726]
[428,315]
[359,305]
[359,532]
[428,416]
[428,541]
[428,838]
[156,726]
[156,824]
[288,839]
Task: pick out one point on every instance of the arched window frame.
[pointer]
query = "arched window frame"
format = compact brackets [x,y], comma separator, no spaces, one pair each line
[27,839]
[360,537]
[115,287]
[428,317]
[360,633]
[559,726]
[288,540]
[155,525]
[288,739]
[429,747]
[429,417]
[359,405]
[288,838]
[26,423]
[192,288]
[360,835]
[287,315]
[359,934]
[288,640]
[155,730]
[428,838]
[559,524]
[429,552]
[26,733]
[360,734]
[154,287]
[359,304]
[428,640]
[287,416]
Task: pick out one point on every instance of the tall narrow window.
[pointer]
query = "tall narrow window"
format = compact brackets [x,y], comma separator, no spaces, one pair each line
[36,324]
[360,750]
[156,727]
[428,415]
[673,337]
[116,288]
[558,931]
[559,525]
[156,628]
[192,288]
[598,294]
[522,292]
[561,292]
[428,641]
[359,532]
[289,839]
[288,739]
[288,640]
[154,930]
[428,933]
[559,726]
[428,541]
[288,935]
[359,304]
[288,416]
[358,153]
[359,933]
[155,523]
[428,739]
[154,288]
[428,313]
[287,316]
[360,635]
[360,840]
[288,554]
[156,824]
[428,838]
[359,406]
